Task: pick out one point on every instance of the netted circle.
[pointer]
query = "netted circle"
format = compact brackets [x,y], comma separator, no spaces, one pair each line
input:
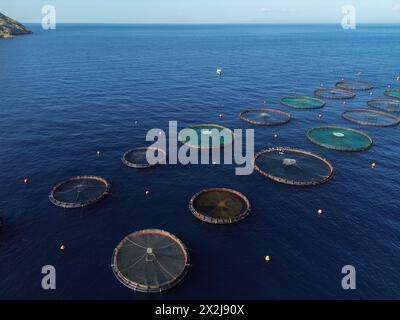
[389,105]
[371,118]
[354,85]
[300,102]
[334,93]
[340,139]
[219,206]
[150,261]
[293,166]
[206,136]
[79,192]
[393,93]
[137,157]
[265,117]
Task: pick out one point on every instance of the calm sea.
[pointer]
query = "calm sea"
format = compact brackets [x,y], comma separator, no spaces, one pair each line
[65,94]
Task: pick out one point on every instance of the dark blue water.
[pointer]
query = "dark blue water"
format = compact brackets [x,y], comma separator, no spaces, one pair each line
[66,93]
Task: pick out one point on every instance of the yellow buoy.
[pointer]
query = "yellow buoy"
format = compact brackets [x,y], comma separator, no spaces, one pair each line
[373,165]
[267,258]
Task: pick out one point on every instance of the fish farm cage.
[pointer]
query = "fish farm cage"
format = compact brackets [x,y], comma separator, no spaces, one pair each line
[334,93]
[302,102]
[373,118]
[354,85]
[393,93]
[265,117]
[340,139]
[388,105]
[219,206]
[79,192]
[150,261]
[204,136]
[294,167]
[137,157]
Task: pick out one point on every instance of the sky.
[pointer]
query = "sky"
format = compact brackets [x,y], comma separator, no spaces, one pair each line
[202,11]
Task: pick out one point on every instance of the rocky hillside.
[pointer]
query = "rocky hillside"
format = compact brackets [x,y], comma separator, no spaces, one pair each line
[10,28]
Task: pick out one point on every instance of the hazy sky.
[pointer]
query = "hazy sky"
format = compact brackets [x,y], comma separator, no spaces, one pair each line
[202,11]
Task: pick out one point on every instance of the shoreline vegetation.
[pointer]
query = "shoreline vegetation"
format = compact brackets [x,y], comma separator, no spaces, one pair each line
[10,28]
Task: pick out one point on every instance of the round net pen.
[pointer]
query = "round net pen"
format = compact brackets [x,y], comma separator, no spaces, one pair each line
[373,118]
[388,105]
[219,206]
[206,136]
[137,157]
[150,261]
[339,139]
[300,102]
[79,192]
[293,166]
[354,85]
[335,93]
[393,93]
[265,117]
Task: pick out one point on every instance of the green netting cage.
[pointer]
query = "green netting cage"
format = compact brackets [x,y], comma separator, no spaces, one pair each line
[393,93]
[340,139]
[302,102]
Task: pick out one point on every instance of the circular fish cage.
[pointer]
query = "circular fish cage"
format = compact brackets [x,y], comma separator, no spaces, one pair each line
[293,166]
[150,261]
[299,102]
[393,93]
[265,117]
[79,192]
[339,139]
[136,157]
[389,105]
[334,93]
[219,206]
[354,85]
[373,118]
[204,134]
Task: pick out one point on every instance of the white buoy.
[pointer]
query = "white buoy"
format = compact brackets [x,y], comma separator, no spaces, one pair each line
[220,72]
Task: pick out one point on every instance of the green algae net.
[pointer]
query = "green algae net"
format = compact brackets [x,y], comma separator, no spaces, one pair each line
[393,93]
[302,102]
[340,139]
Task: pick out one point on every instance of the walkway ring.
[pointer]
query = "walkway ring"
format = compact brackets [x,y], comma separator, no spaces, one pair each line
[157,276]
[354,85]
[376,103]
[285,150]
[395,120]
[103,184]
[244,211]
[206,127]
[285,117]
[334,93]
[137,165]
